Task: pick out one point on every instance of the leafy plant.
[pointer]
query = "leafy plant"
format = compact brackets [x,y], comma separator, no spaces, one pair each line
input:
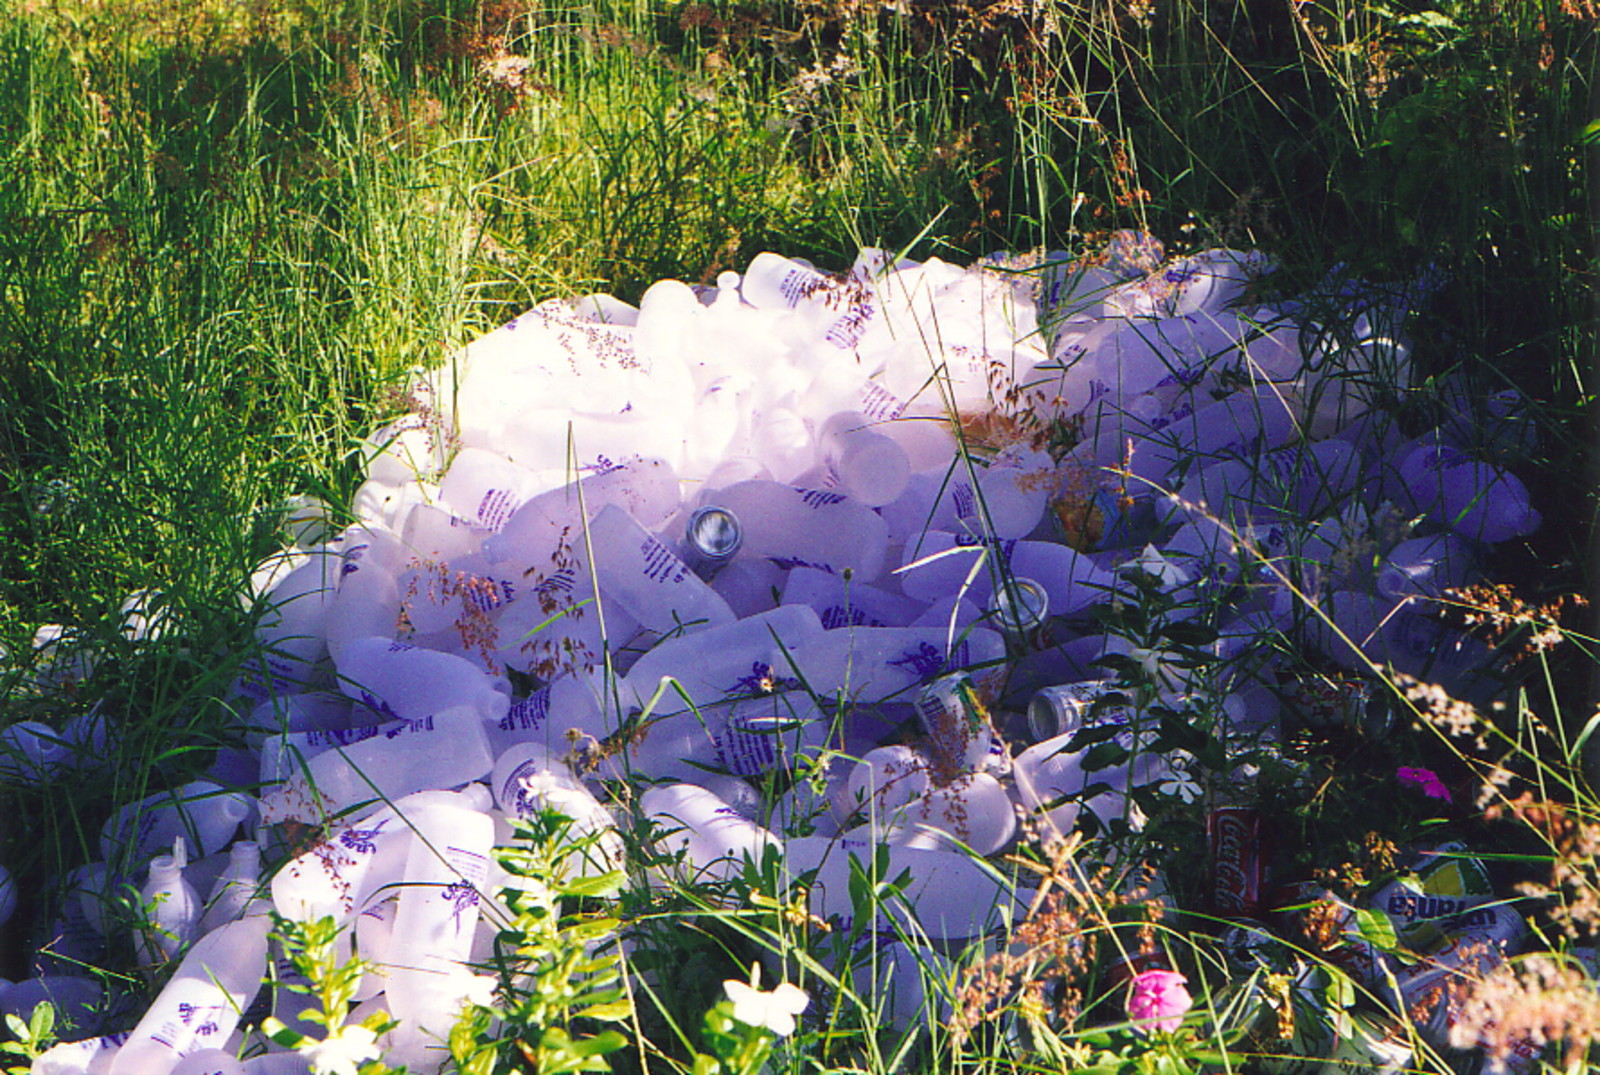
[554,979]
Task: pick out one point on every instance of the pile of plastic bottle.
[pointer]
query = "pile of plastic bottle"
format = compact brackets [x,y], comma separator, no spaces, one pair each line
[810,559]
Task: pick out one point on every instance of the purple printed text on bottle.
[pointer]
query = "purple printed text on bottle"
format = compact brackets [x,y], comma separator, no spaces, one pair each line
[879,404]
[527,714]
[819,498]
[496,507]
[660,565]
[847,331]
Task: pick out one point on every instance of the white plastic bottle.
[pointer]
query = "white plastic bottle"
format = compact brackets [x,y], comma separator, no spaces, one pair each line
[885,782]
[201,1005]
[948,896]
[639,571]
[807,527]
[416,683]
[972,812]
[528,779]
[446,750]
[841,602]
[31,752]
[174,909]
[210,1062]
[200,812]
[486,488]
[434,925]
[715,840]
[862,462]
[234,887]
[735,659]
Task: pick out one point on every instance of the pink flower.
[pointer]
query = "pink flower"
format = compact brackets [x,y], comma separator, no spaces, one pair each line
[1426,779]
[1157,999]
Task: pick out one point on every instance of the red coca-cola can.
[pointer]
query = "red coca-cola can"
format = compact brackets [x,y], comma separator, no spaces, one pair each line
[1238,865]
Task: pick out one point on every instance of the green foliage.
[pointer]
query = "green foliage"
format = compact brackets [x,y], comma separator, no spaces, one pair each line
[312,950]
[553,981]
[28,1037]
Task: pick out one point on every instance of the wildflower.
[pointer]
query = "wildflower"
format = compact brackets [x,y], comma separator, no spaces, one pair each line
[1426,779]
[344,1051]
[1158,1000]
[1180,782]
[774,1011]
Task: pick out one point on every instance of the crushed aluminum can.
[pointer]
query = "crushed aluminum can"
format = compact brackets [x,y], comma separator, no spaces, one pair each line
[1332,930]
[1441,884]
[1324,702]
[1433,989]
[1249,944]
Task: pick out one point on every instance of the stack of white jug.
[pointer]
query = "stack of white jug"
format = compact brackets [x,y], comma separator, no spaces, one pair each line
[733,537]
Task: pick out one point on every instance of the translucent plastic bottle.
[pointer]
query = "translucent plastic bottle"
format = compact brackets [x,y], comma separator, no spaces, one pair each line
[446,750]
[972,812]
[174,909]
[1051,783]
[885,782]
[486,488]
[746,737]
[735,659]
[840,602]
[812,528]
[943,563]
[1427,566]
[234,888]
[715,840]
[527,779]
[874,664]
[201,1005]
[210,1062]
[949,896]
[541,533]
[863,463]
[637,570]
[31,752]
[291,628]
[1472,498]
[202,813]
[415,683]
[434,925]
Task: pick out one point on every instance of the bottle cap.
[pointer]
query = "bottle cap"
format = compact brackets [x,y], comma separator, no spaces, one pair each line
[714,534]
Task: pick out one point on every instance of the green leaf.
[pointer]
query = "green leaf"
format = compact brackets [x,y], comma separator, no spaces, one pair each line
[611,1011]
[1590,133]
[42,1022]
[281,1034]
[605,884]
[1376,929]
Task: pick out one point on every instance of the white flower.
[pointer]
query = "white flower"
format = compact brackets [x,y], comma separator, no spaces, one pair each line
[1180,782]
[345,1050]
[774,1011]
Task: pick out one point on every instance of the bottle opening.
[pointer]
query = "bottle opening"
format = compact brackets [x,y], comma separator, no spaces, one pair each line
[714,533]
[1020,606]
